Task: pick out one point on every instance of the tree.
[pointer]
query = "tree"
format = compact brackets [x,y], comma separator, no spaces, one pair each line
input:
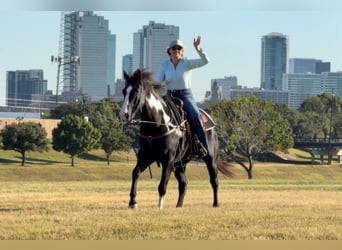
[24,137]
[113,137]
[325,111]
[74,136]
[250,126]
[66,109]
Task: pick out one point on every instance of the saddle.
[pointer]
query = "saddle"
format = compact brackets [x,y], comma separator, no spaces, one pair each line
[206,121]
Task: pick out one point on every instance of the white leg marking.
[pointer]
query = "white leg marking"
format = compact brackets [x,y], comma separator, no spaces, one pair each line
[161,202]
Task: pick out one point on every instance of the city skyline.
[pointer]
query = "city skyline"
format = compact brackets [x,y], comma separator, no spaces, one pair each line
[232,40]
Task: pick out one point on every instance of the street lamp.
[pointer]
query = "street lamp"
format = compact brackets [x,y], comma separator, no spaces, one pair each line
[82,103]
[63,61]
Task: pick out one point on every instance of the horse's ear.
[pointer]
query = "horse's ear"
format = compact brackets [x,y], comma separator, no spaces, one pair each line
[138,74]
[126,76]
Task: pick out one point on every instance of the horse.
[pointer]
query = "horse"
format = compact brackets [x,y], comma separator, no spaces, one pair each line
[163,137]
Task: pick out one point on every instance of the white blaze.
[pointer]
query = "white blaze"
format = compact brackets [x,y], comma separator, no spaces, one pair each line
[124,108]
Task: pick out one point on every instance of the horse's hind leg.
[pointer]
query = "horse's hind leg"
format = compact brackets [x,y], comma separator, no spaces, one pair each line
[139,168]
[212,169]
[182,184]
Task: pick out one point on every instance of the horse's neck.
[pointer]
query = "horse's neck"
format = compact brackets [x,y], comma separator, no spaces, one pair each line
[157,109]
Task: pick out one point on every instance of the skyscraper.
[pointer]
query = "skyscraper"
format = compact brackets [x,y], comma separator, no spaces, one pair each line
[274,60]
[111,64]
[127,63]
[22,85]
[150,43]
[87,36]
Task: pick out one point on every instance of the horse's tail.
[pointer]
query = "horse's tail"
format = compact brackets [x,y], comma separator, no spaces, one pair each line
[225,168]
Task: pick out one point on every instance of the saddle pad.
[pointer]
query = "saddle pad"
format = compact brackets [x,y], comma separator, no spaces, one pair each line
[207,121]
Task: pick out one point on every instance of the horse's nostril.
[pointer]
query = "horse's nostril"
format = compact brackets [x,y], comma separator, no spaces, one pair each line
[124,116]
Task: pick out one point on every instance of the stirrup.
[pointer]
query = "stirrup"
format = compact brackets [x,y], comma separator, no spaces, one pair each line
[201,150]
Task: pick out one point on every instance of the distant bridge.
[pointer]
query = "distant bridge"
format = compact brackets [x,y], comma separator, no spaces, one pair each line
[321,147]
[318,143]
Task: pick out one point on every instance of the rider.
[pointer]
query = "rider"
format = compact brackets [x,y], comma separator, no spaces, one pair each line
[176,73]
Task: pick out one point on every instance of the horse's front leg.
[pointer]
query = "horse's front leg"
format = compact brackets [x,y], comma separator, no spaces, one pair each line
[166,173]
[139,168]
[182,184]
[135,175]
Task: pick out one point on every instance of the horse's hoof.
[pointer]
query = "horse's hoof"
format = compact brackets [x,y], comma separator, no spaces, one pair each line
[179,204]
[132,206]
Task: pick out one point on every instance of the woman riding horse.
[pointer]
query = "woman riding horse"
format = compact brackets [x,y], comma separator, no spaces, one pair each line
[176,73]
[163,138]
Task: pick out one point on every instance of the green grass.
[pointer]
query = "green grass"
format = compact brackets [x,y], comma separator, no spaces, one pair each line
[90,201]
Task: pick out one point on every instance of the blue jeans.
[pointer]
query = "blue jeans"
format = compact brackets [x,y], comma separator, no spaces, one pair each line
[191,108]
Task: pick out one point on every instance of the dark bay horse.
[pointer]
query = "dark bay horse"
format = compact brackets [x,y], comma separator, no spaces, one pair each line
[163,137]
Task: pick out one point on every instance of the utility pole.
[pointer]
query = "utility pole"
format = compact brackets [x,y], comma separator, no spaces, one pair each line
[332,104]
[61,61]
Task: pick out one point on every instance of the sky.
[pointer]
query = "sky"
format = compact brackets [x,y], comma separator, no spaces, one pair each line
[231,33]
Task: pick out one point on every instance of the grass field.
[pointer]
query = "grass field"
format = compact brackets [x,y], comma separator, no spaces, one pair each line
[49,199]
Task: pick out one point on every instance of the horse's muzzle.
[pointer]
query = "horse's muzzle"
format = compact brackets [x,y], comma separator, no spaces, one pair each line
[124,116]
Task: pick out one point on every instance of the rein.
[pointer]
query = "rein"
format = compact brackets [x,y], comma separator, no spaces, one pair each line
[151,138]
[134,121]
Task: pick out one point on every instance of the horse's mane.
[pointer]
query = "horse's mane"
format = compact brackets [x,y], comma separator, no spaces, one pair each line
[150,83]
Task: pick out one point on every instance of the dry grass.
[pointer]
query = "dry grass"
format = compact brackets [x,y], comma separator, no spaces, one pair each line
[90,201]
[98,210]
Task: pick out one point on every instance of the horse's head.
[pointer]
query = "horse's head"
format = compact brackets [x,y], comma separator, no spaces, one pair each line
[135,93]
[131,96]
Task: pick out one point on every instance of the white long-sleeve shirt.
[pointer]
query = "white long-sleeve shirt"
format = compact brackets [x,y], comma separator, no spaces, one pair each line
[179,77]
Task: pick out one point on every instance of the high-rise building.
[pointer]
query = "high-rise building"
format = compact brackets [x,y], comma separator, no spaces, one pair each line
[228,88]
[120,85]
[127,63]
[322,67]
[221,87]
[275,96]
[300,87]
[308,65]
[86,36]
[332,82]
[22,85]
[274,60]
[111,64]
[150,44]
[303,86]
